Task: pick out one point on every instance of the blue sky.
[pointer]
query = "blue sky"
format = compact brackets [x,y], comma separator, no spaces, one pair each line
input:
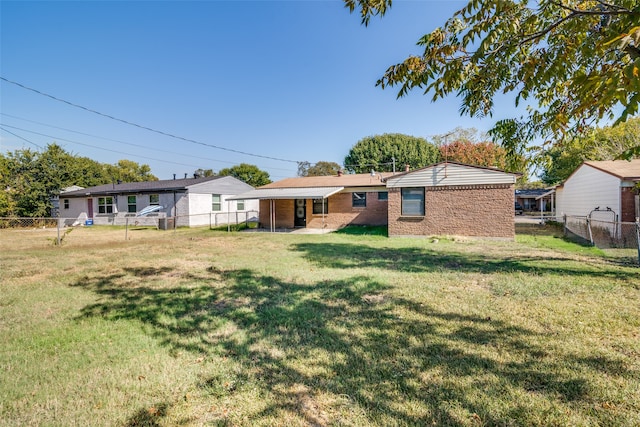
[285,81]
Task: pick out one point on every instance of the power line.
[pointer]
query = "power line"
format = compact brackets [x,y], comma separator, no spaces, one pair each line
[18,136]
[91,146]
[123,142]
[86,145]
[144,127]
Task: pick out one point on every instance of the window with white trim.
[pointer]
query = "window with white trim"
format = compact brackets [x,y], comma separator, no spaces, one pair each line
[105,205]
[216,202]
[131,204]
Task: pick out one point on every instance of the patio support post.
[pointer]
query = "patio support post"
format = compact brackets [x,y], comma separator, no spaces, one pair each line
[323,214]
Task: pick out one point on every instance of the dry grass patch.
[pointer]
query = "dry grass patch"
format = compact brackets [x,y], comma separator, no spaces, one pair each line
[199,327]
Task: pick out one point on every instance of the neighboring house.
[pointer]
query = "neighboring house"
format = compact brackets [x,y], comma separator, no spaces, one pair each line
[324,202]
[452,199]
[531,200]
[191,201]
[604,190]
[55,200]
[442,199]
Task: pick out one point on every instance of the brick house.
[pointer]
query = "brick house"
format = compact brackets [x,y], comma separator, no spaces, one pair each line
[441,199]
[452,199]
[323,202]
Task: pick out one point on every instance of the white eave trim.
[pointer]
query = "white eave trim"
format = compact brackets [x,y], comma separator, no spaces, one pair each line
[288,193]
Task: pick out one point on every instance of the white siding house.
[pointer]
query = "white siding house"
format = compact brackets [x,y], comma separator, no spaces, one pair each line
[603,189]
[190,201]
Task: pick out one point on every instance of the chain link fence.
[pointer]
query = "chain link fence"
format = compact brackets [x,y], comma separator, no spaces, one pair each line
[604,234]
[213,220]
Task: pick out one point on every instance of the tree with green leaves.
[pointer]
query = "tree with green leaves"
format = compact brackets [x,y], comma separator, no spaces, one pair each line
[380,152]
[572,63]
[606,143]
[250,174]
[320,168]
[29,179]
[204,172]
[459,134]
[130,171]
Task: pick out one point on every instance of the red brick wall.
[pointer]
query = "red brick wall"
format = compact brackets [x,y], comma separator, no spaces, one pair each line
[481,211]
[628,202]
[283,210]
[341,213]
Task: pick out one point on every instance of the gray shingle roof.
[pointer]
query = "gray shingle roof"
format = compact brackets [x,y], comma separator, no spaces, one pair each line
[141,187]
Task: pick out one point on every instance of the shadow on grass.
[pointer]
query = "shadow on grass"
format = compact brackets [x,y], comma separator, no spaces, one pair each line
[148,417]
[416,260]
[427,367]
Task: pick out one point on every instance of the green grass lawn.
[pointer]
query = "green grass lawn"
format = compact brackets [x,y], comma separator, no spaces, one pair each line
[201,327]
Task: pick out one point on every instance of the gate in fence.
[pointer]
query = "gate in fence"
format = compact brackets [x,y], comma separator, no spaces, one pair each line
[604,234]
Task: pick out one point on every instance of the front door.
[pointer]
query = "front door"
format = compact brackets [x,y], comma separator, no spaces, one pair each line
[90,207]
[300,213]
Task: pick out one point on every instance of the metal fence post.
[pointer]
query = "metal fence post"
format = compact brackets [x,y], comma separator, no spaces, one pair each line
[58,227]
[589,229]
[638,237]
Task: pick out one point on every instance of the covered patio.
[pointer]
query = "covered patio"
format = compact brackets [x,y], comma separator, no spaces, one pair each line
[273,195]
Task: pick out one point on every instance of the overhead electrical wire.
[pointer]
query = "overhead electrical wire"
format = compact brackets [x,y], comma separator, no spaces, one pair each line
[79,143]
[150,130]
[18,136]
[193,141]
[86,145]
[122,142]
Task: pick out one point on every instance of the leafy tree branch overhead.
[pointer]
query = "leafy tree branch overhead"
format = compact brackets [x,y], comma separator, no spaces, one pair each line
[571,63]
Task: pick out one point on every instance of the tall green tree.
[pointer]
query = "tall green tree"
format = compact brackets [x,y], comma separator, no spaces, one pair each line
[378,153]
[320,168]
[130,171]
[250,174]
[29,179]
[606,143]
[571,62]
